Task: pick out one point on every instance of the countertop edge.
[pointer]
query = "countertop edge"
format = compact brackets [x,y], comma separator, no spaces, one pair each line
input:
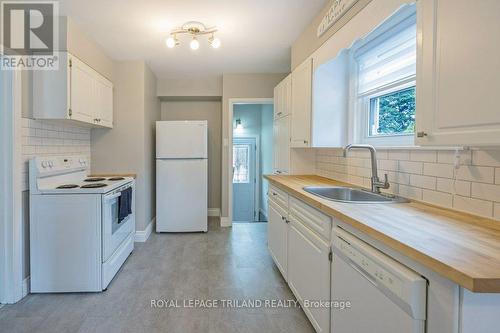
[477,285]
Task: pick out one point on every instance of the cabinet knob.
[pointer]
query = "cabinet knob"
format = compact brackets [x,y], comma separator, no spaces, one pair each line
[421,134]
[305,141]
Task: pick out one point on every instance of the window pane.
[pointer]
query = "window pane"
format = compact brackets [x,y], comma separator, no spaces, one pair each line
[393,113]
[241,163]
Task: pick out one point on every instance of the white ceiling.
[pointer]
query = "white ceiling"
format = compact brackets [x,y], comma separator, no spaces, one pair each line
[256,35]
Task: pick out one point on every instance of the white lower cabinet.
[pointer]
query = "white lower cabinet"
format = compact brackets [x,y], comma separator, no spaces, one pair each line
[277,237]
[309,273]
[301,254]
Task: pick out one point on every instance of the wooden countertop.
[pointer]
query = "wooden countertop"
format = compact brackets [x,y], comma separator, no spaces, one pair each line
[461,247]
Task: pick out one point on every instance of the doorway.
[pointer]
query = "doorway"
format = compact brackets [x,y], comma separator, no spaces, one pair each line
[245,164]
[252,154]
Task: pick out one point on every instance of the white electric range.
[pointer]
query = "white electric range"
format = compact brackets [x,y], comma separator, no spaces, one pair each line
[78,240]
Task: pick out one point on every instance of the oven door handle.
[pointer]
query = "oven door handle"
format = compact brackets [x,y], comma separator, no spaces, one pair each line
[114,196]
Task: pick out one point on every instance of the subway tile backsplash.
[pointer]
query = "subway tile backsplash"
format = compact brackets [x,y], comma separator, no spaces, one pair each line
[46,138]
[425,175]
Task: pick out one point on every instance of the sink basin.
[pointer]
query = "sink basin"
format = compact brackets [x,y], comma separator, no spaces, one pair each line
[352,195]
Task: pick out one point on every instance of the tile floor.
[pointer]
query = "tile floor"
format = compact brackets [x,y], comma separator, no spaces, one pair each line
[225,263]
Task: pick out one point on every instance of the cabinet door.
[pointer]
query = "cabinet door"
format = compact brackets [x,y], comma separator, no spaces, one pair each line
[457,75]
[309,272]
[287,96]
[301,104]
[82,93]
[104,102]
[281,137]
[282,98]
[277,236]
[278,101]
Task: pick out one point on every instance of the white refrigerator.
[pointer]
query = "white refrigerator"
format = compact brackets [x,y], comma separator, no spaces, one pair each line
[181,176]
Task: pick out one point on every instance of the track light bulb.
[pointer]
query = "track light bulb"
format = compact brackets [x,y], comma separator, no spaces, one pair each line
[171,42]
[195,44]
[215,42]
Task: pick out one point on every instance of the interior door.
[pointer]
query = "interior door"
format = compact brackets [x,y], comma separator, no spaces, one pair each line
[82,91]
[244,179]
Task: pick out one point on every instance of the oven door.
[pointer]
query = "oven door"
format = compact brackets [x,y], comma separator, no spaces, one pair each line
[114,231]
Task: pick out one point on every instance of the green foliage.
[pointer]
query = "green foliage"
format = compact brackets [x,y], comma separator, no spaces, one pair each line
[397,112]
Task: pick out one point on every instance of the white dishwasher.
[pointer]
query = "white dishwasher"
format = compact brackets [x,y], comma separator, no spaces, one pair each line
[384,295]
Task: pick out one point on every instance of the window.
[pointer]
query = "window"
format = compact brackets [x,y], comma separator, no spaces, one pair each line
[241,163]
[392,113]
[385,68]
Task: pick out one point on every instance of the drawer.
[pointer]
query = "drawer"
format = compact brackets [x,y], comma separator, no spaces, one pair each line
[311,217]
[278,196]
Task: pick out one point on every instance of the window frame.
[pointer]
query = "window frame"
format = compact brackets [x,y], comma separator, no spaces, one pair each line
[360,103]
[364,108]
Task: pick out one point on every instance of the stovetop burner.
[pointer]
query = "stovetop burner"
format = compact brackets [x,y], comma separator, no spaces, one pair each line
[95,185]
[95,179]
[116,178]
[67,186]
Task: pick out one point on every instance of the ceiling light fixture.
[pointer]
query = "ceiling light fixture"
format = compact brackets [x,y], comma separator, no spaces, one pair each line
[239,126]
[193,29]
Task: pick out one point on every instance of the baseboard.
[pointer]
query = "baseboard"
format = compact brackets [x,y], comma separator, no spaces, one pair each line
[26,286]
[143,235]
[214,212]
[225,222]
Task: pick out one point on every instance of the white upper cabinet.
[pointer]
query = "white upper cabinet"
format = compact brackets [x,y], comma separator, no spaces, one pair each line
[82,101]
[104,102]
[458,73]
[75,92]
[282,98]
[301,105]
[281,145]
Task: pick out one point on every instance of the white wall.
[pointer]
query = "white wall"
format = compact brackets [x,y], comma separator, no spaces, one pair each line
[129,146]
[190,86]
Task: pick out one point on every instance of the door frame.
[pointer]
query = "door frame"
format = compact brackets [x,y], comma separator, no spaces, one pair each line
[229,147]
[256,186]
[11,224]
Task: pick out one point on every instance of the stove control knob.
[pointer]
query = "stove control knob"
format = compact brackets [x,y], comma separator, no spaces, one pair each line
[51,164]
[44,164]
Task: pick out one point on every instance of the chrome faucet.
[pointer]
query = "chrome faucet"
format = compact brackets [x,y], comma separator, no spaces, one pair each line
[376,183]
